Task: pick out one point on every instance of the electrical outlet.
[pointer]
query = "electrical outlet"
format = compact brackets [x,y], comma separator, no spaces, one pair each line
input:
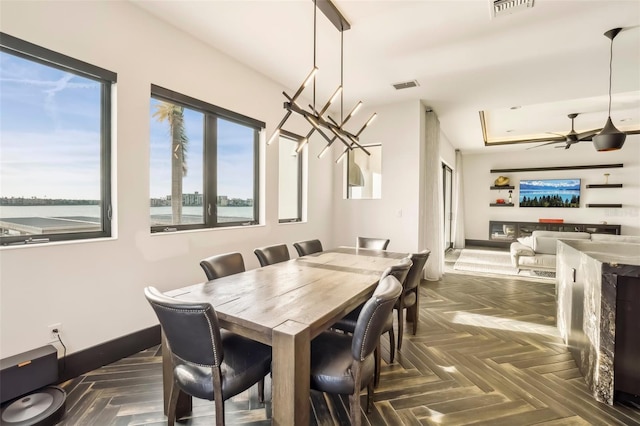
[54,330]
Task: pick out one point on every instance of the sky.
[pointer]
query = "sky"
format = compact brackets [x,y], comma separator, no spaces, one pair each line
[50,139]
[49,132]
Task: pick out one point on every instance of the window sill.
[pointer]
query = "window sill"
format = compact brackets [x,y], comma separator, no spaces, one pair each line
[58,243]
[195,231]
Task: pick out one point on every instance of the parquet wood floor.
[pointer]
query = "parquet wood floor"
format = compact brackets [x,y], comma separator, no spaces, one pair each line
[486,353]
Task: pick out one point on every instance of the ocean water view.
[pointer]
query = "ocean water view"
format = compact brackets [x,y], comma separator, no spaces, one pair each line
[93,211]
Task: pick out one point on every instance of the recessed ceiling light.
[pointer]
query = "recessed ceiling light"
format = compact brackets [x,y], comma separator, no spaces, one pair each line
[516,107]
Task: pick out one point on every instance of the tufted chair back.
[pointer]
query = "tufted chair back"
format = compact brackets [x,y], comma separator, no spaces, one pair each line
[305,248]
[374,316]
[191,329]
[415,273]
[400,271]
[372,243]
[222,265]
[272,254]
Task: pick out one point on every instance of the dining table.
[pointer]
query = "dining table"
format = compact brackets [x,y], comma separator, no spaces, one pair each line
[286,305]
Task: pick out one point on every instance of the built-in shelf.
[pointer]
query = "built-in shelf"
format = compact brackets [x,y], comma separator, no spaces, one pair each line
[605,205]
[501,204]
[607,185]
[503,187]
[544,169]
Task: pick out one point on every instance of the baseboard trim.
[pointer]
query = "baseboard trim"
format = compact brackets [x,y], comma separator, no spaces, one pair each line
[487,243]
[81,362]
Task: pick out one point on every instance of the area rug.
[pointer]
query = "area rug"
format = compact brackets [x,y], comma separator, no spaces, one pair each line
[493,262]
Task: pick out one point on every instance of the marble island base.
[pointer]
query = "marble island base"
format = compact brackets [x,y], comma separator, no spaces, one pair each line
[598,313]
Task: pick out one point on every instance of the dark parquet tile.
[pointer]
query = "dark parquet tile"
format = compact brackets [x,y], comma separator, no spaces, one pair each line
[486,353]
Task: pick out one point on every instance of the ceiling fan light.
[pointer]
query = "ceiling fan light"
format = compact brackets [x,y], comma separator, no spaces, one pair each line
[609,139]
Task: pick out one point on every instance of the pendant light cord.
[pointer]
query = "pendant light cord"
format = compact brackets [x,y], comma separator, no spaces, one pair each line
[342,76]
[610,72]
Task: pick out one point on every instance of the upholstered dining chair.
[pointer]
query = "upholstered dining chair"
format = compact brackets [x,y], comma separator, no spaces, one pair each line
[372,243]
[207,364]
[272,254]
[344,364]
[221,265]
[409,298]
[308,247]
[348,323]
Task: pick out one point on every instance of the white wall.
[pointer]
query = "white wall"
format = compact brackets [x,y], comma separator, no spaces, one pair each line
[395,215]
[477,181]
[94,288]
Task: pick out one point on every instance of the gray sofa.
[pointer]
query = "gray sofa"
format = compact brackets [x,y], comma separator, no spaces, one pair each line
[538,252]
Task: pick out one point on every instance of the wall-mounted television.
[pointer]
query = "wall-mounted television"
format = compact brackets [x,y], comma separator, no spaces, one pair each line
[549,193]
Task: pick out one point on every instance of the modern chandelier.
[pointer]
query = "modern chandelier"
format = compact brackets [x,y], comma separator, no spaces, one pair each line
[320,120]
[609,138]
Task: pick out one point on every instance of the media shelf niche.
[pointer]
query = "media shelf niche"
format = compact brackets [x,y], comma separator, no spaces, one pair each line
[507,231]
[499,188]
[604,186]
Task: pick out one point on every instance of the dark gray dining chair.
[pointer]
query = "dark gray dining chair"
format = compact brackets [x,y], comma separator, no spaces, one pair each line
[221,265]
[272,254]
[305,248]
[372,243]
[409,299]
[344,364]
[207,364]
[348,322]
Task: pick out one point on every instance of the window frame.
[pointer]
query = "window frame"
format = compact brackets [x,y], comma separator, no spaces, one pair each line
[107,79]
[297,138]
[210,156]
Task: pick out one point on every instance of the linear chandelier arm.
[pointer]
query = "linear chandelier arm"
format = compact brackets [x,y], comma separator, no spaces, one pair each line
[347,144]
[304,84]
[354,141]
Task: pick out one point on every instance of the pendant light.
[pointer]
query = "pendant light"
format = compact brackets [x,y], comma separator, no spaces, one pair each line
[609,138]
[320,120]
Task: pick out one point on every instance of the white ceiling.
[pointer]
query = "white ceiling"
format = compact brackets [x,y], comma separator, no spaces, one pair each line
[551,60]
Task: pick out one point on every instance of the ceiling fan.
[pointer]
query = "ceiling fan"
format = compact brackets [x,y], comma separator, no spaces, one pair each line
[571,137]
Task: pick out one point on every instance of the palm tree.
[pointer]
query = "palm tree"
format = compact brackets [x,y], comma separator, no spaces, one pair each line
[174,115]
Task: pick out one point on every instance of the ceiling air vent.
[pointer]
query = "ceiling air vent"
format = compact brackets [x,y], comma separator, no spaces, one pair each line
[406,85]
[507,7]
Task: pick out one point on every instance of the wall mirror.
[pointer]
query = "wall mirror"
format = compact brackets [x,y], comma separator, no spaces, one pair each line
[364,173]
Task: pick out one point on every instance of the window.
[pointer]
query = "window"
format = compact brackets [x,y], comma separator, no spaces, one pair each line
[55,144]
[203,164]
[364,172]
[289,179]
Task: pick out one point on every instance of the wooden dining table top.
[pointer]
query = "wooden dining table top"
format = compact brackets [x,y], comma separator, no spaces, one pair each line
[313,290]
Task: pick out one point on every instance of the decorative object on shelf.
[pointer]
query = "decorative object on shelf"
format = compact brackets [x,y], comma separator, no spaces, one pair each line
[510,196]
[502,181]
[606,178]
[500,201]
[609,138]
[319,119]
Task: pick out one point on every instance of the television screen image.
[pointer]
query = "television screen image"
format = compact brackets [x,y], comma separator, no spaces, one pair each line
[549,193]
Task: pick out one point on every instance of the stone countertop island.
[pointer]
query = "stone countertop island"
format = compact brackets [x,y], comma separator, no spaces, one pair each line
[597,289]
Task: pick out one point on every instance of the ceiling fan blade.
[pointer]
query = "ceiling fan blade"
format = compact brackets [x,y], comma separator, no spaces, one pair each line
[557,134]
[544,144]
[586,136]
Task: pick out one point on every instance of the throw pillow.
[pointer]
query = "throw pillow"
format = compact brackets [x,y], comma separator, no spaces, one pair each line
[527,241]
[521,250]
